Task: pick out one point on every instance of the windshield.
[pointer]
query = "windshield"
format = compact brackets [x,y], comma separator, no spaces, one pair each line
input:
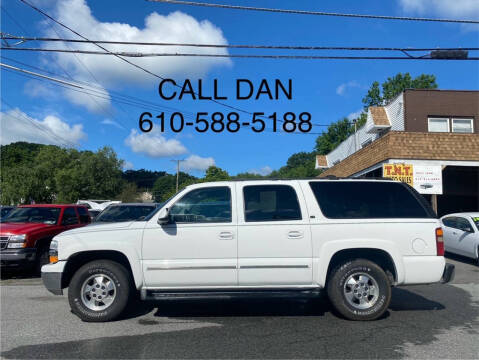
[124,213]
[34,215]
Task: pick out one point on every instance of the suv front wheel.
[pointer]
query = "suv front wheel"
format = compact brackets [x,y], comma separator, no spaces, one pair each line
[359,290]
[99,291]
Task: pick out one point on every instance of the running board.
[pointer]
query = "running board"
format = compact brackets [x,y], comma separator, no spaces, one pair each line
[151,294]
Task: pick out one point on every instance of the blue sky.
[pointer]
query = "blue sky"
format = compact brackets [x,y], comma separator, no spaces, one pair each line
[328,89]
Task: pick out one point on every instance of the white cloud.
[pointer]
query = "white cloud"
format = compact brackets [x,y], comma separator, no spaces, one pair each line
[18,126]
[154,144]
[95,104]
[341,89]
[128,165]
[35,89]
[354,115]
[447,8]
[176,27]
[265,170]
[112,122]
[195,162]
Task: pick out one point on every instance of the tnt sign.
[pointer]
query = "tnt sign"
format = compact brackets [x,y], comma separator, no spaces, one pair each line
[399,172]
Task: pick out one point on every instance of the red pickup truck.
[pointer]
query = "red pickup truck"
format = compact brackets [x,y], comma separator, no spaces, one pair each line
[26,233]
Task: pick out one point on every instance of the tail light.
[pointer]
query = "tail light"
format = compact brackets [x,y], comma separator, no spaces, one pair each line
[439,242]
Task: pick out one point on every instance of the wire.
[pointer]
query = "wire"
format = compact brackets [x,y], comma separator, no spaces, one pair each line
[126,60]
[318,13]
[45,130]
[40,75]
[241,56]
[240,46]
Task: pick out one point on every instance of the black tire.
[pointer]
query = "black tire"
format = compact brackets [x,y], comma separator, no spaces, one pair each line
[123,287]
[42,257]
[337,290]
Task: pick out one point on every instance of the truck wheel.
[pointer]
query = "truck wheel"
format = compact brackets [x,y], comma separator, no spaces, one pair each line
[359,290]
[42,258]
[99,291]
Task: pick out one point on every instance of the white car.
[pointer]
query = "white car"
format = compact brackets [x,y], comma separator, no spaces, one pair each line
[353,238]
[461,234]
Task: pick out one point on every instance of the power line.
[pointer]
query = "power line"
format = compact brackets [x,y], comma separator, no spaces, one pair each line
[40,75]
[126,60]
[85,91]
[46,131]
[233,46]
[241,56]
[317,13]
[115,95]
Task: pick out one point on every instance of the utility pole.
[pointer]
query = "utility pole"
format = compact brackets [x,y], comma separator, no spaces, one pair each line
[355,134]
[177,172]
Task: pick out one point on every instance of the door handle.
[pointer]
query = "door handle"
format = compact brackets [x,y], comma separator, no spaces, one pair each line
[295,235]
[226,235]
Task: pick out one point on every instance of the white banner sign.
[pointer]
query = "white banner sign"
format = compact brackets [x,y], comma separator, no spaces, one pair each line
[427,179]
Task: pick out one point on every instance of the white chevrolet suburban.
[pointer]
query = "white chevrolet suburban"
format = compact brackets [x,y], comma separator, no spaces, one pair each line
[353,238]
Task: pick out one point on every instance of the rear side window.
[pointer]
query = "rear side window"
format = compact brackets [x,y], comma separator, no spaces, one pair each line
[84,216]
[367,200]
[271,203]
[69,216]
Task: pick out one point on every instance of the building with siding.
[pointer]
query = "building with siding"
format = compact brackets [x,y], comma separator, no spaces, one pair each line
[435,132]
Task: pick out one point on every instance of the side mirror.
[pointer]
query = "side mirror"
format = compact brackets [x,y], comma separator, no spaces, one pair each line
[163,216]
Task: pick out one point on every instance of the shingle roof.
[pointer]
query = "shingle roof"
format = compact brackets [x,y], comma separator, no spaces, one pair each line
[321,161]
[380,117]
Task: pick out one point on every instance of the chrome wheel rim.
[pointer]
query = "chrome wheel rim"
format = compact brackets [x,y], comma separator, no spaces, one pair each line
[361,291]
[98,292]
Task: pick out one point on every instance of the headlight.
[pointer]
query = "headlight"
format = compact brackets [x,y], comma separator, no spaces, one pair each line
[53,251]
[17,241]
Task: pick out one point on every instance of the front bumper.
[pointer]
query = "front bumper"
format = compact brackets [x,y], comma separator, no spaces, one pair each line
[448,274]
[17,257]
[52,277]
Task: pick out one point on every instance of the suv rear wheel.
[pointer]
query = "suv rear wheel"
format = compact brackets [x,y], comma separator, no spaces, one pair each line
[99,291]
[359,290]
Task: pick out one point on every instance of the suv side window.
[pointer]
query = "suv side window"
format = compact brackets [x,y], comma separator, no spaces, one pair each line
[369,200]
[84,216]
[69,216]
[449,222]
[205,205]
[270,203]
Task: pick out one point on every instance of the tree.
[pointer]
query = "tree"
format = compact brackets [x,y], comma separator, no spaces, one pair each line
[395,85]
[214,173]
[47,173]
[129,192]
[299,165]
[165,186]
[337,132]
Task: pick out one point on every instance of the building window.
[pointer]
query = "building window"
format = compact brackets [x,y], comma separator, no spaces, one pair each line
[438,125]
[366,143]
[462,126]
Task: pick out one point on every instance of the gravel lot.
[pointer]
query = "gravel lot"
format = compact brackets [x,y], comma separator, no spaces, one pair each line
[435,321]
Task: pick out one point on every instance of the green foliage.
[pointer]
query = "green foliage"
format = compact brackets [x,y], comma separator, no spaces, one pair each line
[395,85]
[45,174]
[299,165]
[165,186]
[214,173]
[337,132]
[129,193]
[144,179]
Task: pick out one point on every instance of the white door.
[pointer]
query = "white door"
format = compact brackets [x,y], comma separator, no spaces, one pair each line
[198,248]
[450,234]
[465,237]
[274,237]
